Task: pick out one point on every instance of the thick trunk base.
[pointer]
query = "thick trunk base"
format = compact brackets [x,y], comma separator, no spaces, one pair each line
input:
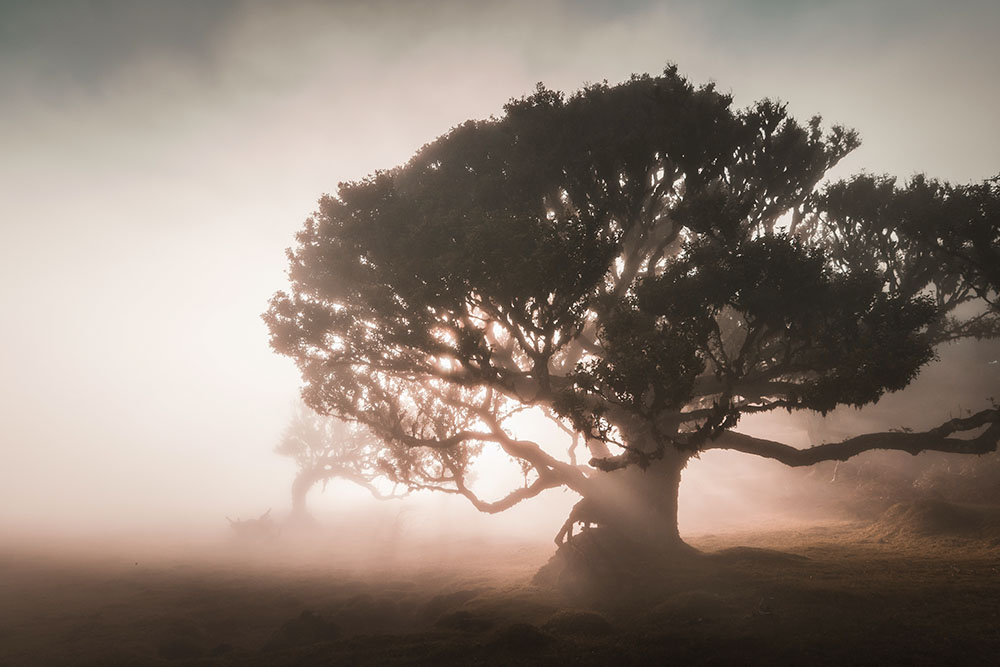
[600,565]
[622,534]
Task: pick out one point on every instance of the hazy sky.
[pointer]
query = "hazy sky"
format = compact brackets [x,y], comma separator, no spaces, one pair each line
[157,157]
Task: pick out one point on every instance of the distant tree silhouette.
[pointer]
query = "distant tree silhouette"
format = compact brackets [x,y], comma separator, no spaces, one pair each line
[328,448]
[647,263]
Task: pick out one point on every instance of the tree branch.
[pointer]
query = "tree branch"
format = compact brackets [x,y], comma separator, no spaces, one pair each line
[361,481]
[936,439]
[441,443]
[508,501]
[544,463]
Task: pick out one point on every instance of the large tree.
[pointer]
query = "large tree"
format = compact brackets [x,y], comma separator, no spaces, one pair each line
[647,264]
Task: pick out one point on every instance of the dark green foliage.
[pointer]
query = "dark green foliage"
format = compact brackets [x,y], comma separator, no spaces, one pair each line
[519,220]
[924,237]
[790,314]
[648,364]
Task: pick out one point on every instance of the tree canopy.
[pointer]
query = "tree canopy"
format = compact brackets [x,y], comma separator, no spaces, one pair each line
[648,264]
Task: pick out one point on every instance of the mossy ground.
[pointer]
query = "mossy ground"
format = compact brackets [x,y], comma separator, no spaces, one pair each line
[836,594]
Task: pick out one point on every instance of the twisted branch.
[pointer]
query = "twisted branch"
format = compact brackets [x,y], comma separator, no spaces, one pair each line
[937,439]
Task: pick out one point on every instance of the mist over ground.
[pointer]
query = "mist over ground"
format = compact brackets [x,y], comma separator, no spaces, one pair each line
[720,492]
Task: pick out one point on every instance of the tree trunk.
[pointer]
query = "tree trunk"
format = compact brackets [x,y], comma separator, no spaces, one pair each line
[637,507]
[642,504]
[629,533]
[300,489]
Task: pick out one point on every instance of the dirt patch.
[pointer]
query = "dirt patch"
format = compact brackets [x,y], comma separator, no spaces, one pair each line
[464,621]
[440,604]
[692,606]
[757,555]
[520,638]
[579,624]
[304,630]
[181,639]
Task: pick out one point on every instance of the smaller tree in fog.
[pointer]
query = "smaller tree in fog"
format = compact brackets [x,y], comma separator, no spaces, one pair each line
[328,448]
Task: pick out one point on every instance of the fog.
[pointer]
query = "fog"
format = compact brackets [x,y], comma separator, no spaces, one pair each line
[158,158]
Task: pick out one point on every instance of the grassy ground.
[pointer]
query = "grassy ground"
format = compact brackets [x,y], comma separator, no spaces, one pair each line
[838,594]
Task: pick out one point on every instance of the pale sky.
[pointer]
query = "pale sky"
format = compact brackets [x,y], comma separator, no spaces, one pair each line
[157,157]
